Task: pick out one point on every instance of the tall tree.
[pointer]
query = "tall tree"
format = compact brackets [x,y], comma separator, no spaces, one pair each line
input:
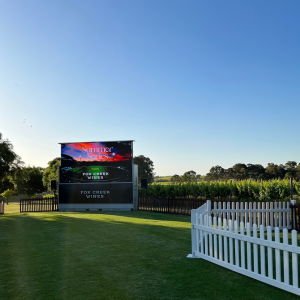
[217,172]
[9,160]
[253,171]
[29,181]
[240,171]
[176,178]
[51,172]
[275,171]
[146,168]
[189,176]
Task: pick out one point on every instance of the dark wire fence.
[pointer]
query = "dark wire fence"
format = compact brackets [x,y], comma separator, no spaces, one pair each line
[39,204]
[180,206]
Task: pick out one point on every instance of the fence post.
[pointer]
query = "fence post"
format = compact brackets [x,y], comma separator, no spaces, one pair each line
[194,234]
[293,212]
[208,208]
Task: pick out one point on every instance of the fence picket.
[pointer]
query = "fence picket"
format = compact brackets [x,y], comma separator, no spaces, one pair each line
[237,214]
[210,237]
[271,214]
[267,215]
[228,213]
[200,220]
[242,246]
[225,213]
[242,214]
[277,255]
[249,249]
[206,237]
[225,242]
[279,215]
[220,240]
[276,214]
[215,240]
[258,216]
[286,258]
[246,214]
[230,244]
[270,253]
[250,217]
[236,246]
[262,252]
[263,215]
[255,252]
[197,232]
[295,260]
[254,213]
[283,216]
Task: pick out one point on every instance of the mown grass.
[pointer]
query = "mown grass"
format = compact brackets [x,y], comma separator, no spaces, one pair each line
[12,207]
[120,255]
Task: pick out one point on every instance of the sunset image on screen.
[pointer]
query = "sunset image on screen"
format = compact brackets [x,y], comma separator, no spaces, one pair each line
[101,152]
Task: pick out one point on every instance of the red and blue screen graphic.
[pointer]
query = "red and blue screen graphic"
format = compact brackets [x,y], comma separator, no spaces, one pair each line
[96,162]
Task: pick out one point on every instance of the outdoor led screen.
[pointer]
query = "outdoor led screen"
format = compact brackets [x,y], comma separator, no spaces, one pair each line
[96,162]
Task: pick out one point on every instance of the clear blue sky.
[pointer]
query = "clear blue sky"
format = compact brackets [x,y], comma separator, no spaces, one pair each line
[194,83]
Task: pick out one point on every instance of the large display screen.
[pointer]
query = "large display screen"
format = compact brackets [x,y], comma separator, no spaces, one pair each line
[96,162]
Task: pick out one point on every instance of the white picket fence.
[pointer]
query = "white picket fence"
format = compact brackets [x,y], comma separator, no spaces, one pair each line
[267,214]
[227,243]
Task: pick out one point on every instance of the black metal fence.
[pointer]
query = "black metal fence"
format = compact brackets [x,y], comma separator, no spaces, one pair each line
[2,207]
[167,205]
[38,204]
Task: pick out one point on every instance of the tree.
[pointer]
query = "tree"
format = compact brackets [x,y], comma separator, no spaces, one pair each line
[146,168]
[275,171]
[298,172]
[51,172]
[176,179]
[5,185]
[29,181]
[216,173]
[240,171]
[9,160]
[189,176]
[254,171]
[7,195]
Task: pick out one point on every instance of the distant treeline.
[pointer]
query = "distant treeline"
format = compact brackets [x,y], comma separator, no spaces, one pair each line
[255,171]
[242,172]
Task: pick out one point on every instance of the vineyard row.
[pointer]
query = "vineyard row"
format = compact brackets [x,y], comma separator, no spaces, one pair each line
[245,190]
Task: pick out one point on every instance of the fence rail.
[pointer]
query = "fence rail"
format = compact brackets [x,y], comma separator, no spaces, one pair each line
[2,207]
[230,245]
[38,204]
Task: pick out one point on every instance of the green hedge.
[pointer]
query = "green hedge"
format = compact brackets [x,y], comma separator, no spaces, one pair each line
[245,190]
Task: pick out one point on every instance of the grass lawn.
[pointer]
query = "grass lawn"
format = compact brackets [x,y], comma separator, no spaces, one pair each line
[113,255]
[12,207]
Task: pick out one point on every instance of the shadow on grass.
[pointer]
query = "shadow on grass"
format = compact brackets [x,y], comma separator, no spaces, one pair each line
[108,256]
